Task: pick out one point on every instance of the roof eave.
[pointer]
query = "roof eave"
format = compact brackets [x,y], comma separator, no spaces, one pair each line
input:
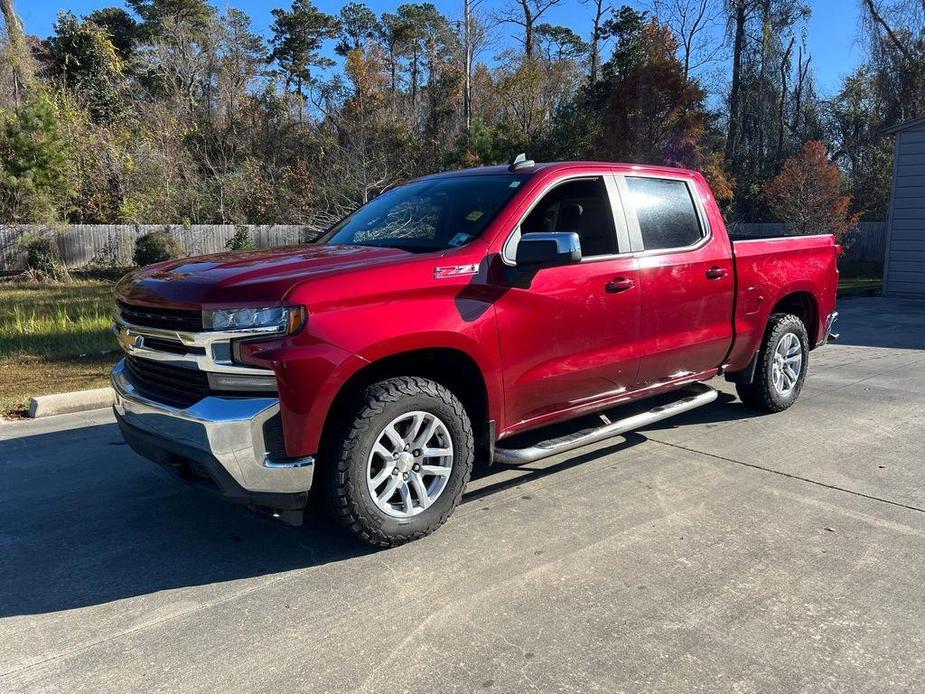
[906,125]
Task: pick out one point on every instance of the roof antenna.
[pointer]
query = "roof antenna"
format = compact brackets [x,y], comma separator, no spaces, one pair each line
[520,162]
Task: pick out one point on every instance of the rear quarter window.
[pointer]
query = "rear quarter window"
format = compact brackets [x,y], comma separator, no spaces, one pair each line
[665,211]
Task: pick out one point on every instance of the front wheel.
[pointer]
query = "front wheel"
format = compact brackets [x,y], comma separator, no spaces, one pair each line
[401,461]
[782,363]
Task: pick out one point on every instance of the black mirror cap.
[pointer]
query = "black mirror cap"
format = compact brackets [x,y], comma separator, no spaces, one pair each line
[548,249]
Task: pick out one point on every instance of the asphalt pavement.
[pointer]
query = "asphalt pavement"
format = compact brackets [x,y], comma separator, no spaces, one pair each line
[720,551]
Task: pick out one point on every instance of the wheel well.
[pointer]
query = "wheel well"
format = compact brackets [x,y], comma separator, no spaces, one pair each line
[803,305]
[449,367]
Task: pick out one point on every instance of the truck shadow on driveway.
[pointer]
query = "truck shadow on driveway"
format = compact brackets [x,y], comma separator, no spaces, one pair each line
[86,522]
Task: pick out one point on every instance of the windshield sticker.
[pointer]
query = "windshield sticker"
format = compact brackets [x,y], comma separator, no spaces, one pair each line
[514,184]
[460,238]
[474,216]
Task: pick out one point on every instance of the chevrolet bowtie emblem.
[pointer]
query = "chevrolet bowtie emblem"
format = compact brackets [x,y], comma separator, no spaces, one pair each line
[128,342]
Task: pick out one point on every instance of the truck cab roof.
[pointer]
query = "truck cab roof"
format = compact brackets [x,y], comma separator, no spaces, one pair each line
[552,167]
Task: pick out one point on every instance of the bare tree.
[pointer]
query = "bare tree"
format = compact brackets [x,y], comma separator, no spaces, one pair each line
[739,11]
[877,18]
[467,50]
[17,53]
[693,23]
[601,8]
[526,14]
[799,89]
[784,71]
[358,152]
[242,59]
[473,31]
[896,29]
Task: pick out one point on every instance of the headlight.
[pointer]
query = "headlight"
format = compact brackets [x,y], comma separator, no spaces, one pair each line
[286,319]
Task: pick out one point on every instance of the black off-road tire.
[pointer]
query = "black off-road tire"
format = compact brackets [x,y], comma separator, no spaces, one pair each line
[373,409]
[761,394]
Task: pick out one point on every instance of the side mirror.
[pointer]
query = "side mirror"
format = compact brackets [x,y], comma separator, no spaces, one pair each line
[547,249]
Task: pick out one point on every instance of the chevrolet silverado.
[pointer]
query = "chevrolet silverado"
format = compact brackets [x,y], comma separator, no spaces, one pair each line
[501,314]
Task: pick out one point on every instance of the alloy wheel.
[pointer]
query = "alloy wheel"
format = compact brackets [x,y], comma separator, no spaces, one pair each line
[787,364]
[410,464]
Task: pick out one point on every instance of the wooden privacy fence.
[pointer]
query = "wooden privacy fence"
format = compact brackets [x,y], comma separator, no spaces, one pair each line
[112,245]
[866,244]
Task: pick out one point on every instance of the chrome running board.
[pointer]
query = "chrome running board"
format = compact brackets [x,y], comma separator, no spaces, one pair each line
[698,395]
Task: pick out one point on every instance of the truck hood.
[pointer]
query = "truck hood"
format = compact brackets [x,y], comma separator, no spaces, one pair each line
[245,278]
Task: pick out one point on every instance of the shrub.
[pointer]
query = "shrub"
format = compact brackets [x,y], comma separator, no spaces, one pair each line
[42,259]
[107,258]
[156,247]
[241,240]
[807,194]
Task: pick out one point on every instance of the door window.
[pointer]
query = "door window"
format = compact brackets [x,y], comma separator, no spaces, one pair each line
[581,206]
[665,211]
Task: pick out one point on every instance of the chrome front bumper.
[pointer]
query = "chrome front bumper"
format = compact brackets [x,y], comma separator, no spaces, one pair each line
[224,431]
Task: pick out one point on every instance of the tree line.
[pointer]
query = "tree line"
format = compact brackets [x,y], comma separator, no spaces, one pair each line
[170,111]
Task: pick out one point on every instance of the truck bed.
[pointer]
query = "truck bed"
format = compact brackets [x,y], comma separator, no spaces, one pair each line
[772,267]
[768,235]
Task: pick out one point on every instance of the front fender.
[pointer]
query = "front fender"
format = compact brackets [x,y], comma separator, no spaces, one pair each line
[349,337]
[309,378]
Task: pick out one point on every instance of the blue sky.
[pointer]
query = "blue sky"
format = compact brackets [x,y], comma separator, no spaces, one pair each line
[832,33]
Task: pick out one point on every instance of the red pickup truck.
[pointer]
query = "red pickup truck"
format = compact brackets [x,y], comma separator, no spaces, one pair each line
[496,314]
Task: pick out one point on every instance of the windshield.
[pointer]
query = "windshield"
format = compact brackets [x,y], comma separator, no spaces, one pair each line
[431,215]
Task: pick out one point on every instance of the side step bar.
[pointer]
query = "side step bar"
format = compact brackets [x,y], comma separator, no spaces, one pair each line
[698,395]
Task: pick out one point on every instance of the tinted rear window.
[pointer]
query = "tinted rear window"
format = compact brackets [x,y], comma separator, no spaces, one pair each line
[666,213]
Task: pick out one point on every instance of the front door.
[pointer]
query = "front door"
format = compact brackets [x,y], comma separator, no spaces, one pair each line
[571,337]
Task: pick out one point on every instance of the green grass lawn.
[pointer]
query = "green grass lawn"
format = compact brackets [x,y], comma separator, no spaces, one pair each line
[54,338]
[859,287]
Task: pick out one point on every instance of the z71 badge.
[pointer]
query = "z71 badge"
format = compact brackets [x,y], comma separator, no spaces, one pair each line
[442,273]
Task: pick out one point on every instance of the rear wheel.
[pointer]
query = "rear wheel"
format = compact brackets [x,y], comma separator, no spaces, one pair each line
[401,461]
[782,363]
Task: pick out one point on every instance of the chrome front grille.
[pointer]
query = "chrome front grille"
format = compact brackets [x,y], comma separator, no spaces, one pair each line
[164,318]
[182,364]
[171,346]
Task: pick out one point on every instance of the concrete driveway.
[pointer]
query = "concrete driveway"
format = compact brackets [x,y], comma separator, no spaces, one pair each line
[721,551]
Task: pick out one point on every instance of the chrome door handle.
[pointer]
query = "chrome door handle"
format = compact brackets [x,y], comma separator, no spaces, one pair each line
[619,284]
[716,272]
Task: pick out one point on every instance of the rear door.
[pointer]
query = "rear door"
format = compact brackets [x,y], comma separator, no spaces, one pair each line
[571,337]
[686,274]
